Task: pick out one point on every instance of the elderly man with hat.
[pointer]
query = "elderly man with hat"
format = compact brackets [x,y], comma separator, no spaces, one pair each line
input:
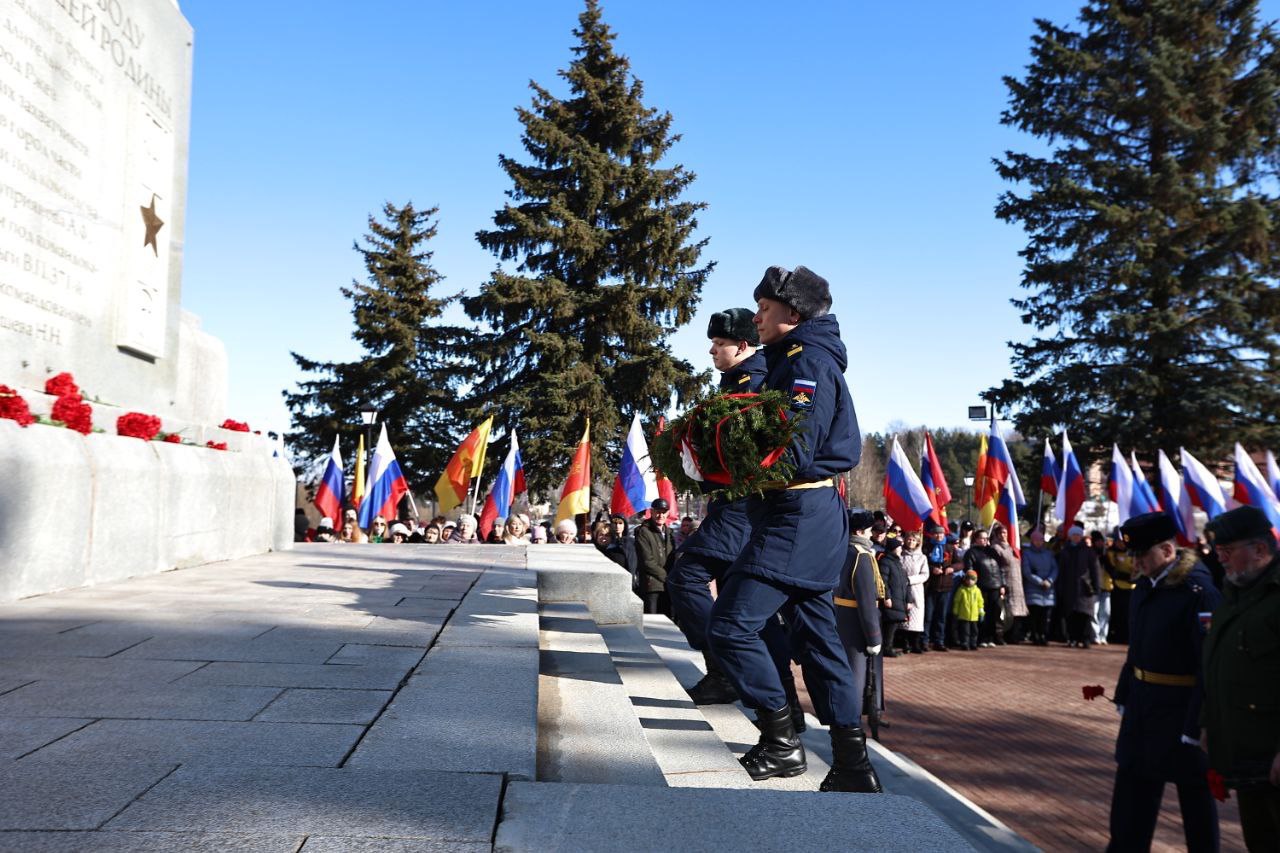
[798,541]
[1242,672]
[707,552]
[1159,693]
[654,544]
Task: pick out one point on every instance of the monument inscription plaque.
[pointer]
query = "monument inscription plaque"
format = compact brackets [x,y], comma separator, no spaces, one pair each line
[93,149]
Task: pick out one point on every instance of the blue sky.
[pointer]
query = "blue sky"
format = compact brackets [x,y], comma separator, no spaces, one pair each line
[855,138]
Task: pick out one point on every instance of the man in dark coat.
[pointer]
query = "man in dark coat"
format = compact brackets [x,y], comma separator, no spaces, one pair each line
[1159,692]
[1079,579]
[621,548]
[654,544]
[895,592]
[983,559]
[709,550]
[1242,672]
[799,540]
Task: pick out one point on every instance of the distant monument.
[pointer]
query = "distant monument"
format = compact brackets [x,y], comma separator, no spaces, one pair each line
[94,121]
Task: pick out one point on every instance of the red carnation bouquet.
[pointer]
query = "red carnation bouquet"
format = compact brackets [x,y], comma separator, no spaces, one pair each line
[172,438]
[62,385]
[14,408]
[216,445]
[74,413]
[138,425]
[235,426]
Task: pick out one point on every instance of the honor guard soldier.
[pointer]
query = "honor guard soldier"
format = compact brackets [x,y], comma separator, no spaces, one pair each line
[1159,693]
[798,542]
[858,622]
[1242,672]
[706,554]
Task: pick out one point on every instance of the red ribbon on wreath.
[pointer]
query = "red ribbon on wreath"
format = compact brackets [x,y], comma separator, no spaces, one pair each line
[721,477]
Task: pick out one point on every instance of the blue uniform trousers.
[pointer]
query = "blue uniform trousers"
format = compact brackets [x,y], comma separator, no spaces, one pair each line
[1135,806]
[745,609]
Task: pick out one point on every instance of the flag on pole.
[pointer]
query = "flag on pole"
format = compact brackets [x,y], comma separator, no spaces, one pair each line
[1070,485]
[1273,474]
[635,487]
[1050,473]
[905,498]
[1202,487]
[357,486]
[575,497]
[1252,490]
[998,472]
[508,483]
[1144,499]
[330,494]
[467,460]
[1175,501]
[386,484]
[1007,514]
[980,478]
[666,490]
[1120,484]
[934,482]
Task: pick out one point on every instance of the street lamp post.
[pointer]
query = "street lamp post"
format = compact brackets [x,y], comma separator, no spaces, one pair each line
[968,510]
[369,417]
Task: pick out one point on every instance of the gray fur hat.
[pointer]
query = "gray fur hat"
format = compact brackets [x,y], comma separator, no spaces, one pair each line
[804,290]
[734,324]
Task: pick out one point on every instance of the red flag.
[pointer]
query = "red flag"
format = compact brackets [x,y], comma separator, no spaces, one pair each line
[934,482]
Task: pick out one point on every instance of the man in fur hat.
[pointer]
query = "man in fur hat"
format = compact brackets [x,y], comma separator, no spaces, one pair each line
[798,542]
[1159,694]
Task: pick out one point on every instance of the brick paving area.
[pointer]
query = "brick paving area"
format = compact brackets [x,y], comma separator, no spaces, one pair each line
[1009,729]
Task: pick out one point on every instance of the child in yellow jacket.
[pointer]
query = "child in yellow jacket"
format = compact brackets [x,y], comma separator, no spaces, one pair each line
[967,608]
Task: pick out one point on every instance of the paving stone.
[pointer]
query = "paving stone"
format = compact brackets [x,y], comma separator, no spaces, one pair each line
[363,653]
[314,801]
[351,844]
[266,649]
[352,676]
[467,708]
[358,707]
[98,640]
[545,817]
[8,685]
[145,842]
[21,735]
[501,611]
[135,701]
[75,795]
[207,743]
[94,669]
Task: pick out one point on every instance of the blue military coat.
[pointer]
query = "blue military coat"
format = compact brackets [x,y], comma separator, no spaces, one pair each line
[1160,684]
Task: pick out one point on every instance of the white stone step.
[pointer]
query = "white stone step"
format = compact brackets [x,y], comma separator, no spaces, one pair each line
[587,728]
[733,724]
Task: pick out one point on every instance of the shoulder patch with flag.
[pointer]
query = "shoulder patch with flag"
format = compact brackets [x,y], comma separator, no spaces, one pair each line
[802,393]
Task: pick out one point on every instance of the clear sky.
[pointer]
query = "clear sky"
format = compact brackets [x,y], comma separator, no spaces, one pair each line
[855,138]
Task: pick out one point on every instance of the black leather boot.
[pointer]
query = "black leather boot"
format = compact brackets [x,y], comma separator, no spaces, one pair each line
[851,768]
[715,688]
[779,752]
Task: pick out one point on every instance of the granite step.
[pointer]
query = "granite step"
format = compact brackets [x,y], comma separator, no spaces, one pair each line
[587,728]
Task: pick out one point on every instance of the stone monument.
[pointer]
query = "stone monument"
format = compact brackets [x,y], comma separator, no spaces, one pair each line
[94,121]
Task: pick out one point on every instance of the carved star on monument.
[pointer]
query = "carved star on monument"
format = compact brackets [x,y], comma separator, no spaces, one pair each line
[153,224]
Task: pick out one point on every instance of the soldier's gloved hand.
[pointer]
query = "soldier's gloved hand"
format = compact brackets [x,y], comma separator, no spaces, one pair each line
[1190,741]
[873,650]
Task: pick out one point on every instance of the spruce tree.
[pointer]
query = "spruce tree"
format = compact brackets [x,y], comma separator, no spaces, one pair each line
[598,267]
[408,373]
[1152,220]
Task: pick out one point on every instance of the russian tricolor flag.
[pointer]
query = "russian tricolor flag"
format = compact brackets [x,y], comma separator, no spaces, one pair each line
[1175,501]
[1203,488]
[1070,485]
[1050,473]
[386,484]
[1120,484]
[931,477]
[635,487]
[1007,514]
[1252,490]
[1144,499]
[508,483]
[1273,474]
[331,493]
[904,495]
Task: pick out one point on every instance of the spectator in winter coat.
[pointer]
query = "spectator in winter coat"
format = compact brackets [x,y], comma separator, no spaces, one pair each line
[620,549]
[1101,622]
[654,544]
[937,589]
[516,530]
[1079,579]
[1039,573]
[967,607]
[895,593]
[984,560]
[916,566]
[465,532]
[1015,602]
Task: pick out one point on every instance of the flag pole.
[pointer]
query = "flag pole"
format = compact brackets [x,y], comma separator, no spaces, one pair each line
[475,494]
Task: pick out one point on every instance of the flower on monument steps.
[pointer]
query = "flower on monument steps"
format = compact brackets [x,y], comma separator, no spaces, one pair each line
[235,426]
[216,445]
[1093,691]
[62,385]
[171,438]
[138,425]
[73,413]
[14,408]
[1217,785]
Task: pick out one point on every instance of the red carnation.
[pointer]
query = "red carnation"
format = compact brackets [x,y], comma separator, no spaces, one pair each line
[62,385]
[235,426]
[138,425]
[73,413]
[1217,785]
[1093,691]
[14,407]
[216,445]
[172,438]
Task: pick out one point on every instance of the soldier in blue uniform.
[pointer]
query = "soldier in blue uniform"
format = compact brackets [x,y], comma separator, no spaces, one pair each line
[798,541]
[1159,692]
[706,554]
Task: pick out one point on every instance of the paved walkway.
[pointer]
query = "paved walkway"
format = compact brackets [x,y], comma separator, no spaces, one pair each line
[1009,729]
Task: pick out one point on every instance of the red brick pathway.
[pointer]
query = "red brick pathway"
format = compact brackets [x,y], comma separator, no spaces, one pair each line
[1009,729]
